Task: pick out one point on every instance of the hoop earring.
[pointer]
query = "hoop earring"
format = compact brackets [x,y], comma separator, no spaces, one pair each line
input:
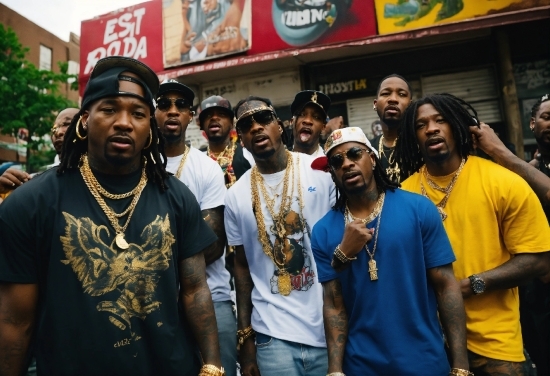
[150,139]
[80,137]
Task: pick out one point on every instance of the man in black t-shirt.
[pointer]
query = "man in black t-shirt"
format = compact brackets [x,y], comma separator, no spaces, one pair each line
[101,264]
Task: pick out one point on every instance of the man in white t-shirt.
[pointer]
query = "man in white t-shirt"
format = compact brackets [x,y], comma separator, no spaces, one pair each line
[309,118]
[205,179]
[269,213]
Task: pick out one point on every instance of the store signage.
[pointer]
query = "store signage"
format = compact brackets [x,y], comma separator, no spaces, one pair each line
[344,87]
[202,30]
[133,32]
[394,16]
[280,24]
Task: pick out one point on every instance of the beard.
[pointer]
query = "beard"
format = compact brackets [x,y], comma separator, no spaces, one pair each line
[173,139]
[391,122]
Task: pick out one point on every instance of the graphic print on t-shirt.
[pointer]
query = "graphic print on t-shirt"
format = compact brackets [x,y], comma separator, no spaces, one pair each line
[292,254]
[133,272]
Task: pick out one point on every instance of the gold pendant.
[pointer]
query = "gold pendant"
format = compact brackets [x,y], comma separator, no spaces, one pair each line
[283,282]
[120,241]
[442,213]
[373,271]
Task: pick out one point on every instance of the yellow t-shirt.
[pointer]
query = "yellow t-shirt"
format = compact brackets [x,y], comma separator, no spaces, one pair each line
[492,214]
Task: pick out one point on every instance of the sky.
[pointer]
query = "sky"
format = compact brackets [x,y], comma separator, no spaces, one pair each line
[60,17]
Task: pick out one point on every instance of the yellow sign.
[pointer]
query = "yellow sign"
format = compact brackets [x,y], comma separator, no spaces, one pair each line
[395,16]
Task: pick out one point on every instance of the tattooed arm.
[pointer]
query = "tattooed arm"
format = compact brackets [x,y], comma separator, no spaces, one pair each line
[517,271]
[336,324]
[198,306]
[451,312]
[18,304]
[488,141]
[214,219]
[243,287]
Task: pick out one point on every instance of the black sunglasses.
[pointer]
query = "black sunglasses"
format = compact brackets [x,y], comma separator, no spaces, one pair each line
[262,117]
[164,104]
[353,154]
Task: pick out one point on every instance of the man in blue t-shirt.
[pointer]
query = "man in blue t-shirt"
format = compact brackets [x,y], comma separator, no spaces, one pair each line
[384,281]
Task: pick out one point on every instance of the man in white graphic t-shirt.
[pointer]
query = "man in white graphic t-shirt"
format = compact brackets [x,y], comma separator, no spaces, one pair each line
[269,213]
[205,179]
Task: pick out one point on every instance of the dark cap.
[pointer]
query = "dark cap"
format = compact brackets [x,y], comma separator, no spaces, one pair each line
[310,96]
[170,85]
[105,77]
[216,101]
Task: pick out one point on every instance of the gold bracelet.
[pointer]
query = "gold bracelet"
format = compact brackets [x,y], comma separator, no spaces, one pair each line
[336,374]
[243,335]
[341,256]
[211,370]
[460,372]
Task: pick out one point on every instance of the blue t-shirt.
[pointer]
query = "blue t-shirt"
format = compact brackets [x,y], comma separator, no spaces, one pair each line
[392,322]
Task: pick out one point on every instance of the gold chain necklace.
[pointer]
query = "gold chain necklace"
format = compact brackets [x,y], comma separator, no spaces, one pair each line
[390,171]
[225,161]
[447,190]
[377,210]
[182,161]
[95,189]
[283,279]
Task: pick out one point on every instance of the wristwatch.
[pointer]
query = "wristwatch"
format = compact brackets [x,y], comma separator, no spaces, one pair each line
[477,284]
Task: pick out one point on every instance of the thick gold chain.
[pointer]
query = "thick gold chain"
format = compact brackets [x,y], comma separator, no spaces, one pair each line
[449,187]
[375,211]
[182,161]
[93,184]
[229,150]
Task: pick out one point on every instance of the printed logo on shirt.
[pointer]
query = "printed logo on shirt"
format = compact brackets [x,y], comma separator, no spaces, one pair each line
[292,254]
[133,273]
[312,189]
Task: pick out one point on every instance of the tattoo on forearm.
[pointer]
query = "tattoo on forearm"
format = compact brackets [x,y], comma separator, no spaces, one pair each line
[336,322]
[199,308]
[214,219]
[243,288]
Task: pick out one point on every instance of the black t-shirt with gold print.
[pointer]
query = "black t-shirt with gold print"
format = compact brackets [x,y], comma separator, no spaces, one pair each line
[102,310]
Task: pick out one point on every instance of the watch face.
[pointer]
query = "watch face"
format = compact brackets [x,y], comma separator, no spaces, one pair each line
[478,286]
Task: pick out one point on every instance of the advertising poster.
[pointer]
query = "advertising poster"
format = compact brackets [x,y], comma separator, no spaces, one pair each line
[400,15]
[196,30]
[133,32]
[284,24]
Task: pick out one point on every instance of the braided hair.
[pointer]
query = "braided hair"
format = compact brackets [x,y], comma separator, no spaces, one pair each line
[536,106]
[73,149]
[383,183]
[459,115]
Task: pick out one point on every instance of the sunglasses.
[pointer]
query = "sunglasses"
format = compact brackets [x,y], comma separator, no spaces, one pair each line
[164,104]
[262,117]
[353,154]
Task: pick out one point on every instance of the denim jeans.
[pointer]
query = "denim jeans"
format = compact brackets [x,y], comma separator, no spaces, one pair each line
[227,334]
[277,357]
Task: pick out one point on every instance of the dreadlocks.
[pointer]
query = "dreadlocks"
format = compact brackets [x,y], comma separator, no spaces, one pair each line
[73,149]
[382,183]
[457,112]
[536,106]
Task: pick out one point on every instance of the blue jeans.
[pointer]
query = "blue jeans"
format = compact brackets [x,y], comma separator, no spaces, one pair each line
[227,335]
[277,357]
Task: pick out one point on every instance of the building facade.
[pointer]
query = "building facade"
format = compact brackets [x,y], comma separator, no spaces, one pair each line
[45,51]
[494,54]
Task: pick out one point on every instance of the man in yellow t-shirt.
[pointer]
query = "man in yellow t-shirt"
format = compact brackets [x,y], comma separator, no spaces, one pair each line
[494,221]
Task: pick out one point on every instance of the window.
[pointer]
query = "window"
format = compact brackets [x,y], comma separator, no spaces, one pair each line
[45,58]
[73,69]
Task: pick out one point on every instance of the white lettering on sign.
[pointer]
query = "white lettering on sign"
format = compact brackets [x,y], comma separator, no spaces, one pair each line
[344,87]
[300,18]
[121,37]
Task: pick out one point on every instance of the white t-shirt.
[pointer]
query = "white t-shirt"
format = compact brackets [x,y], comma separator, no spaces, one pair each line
[204,178]
[297,317]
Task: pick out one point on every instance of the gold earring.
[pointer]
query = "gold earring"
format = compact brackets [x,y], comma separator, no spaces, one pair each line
[150,139]
[80,137]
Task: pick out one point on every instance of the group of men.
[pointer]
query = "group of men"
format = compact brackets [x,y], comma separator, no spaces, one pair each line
[110,265]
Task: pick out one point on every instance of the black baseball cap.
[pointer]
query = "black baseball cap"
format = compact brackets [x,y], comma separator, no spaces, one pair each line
[105,77]
[216,101]
[310,96]
[170,85]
